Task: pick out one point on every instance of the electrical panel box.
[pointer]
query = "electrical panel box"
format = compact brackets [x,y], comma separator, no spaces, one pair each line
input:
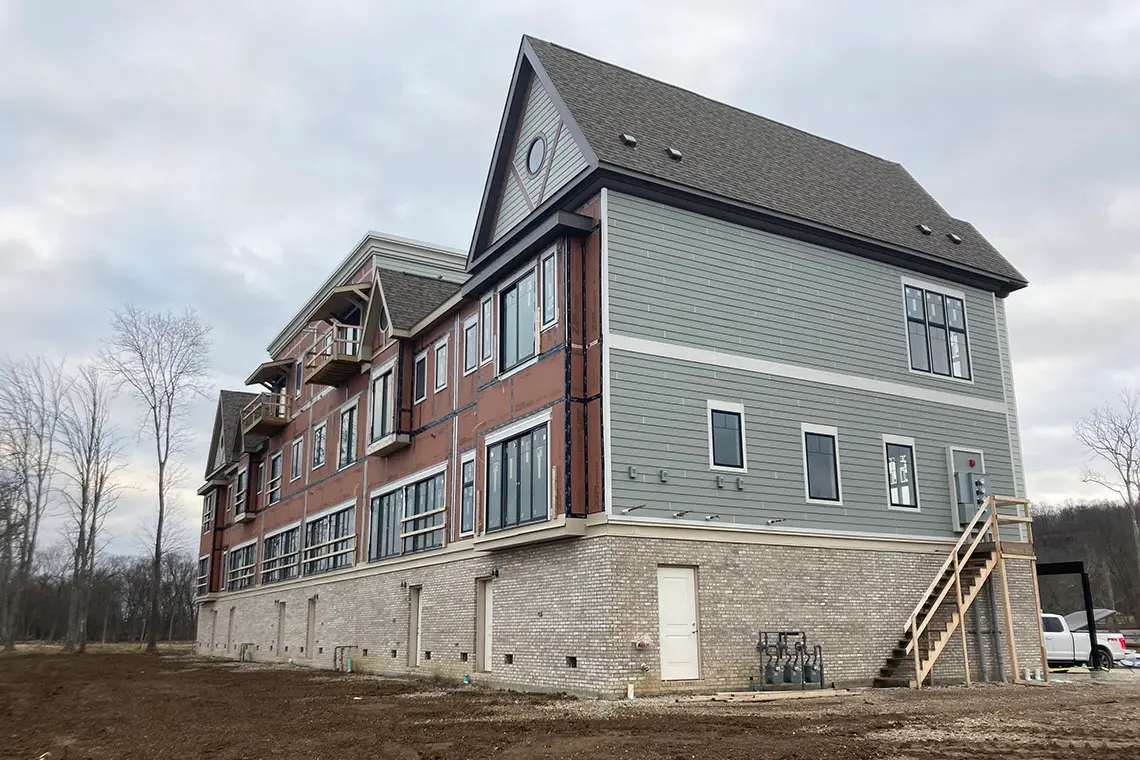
[969,490]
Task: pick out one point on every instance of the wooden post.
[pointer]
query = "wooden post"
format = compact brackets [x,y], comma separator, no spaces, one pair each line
[1011,642]
[1037,599]
[961,615]
[914,643]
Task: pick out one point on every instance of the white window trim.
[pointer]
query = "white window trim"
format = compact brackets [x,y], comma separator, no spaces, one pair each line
[198,579]
[415,477]
[326,512]
[552,254]
[278,531]
[299,369]
[464,459]
[518,426]
[727,406]
[352,405]
[900,440]
[422,355]
[467,324]
[945,291]
[806,428]
[261,477]
[490,356]
[388,366]
[234,495]
[510,282]
[324,443]
[296,462]
[950,451]
[441,344]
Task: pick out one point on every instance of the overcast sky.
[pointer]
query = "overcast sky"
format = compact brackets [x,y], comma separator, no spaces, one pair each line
[227,155]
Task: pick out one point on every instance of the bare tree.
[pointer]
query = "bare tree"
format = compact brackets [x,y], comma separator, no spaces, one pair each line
[1112,433]
[91,458]
[163,358]
[31,391]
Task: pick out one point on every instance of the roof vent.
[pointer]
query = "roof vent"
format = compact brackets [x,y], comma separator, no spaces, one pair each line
[629,139]
[674,154]
[924,229]
[955,239]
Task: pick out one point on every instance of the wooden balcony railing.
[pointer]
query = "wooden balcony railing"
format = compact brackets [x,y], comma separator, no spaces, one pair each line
[266,414]
[338,359]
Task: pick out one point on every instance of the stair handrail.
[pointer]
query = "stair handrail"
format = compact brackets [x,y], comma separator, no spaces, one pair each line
[952,560]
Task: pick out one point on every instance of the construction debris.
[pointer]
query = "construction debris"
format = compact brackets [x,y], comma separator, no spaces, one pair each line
[768,696]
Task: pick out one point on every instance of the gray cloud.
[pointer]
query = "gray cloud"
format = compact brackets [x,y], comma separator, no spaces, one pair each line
[227,155]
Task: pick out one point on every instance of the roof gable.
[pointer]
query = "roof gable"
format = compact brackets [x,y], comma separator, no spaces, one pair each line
[226,439]
[409,298]
[513,193]
[743,158]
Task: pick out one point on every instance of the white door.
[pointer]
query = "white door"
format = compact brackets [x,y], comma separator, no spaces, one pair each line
[677,610]
[484,604]
[414,632]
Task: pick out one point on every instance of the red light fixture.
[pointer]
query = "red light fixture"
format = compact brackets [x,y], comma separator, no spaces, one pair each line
[973,462]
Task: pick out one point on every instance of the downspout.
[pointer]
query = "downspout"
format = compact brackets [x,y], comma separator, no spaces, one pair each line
[978,643]
[566,343]
[995,629]
[585,392]
[602,368]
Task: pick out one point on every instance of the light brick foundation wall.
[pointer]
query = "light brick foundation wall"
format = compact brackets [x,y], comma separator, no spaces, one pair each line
[592,598]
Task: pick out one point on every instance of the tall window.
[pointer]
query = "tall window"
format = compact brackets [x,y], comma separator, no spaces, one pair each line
[487,329]
[273,487]
[240,496]
[347,449]
[384,525]
[242,567]
[380,420]
[281,556]
[902,479]
[424,514]
[936,332]
[549,291]
[296,457]
[467,499]
[470,345]
[516,323]
[821,463]
[298,374]
[330,541]
[441,365]
[517,489]
[419,379]
[209,503]
[203,575]
[261,477]
[319,445]
[726,436]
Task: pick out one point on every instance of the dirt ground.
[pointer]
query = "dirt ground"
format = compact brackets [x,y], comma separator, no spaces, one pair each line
[132,705]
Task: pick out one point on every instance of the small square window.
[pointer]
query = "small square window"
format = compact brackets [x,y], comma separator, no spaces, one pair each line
[726,436]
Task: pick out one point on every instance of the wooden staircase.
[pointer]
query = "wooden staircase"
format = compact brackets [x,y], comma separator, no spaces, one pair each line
[942,609]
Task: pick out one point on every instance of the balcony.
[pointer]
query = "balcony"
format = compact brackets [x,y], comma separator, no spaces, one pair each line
[265,415]
[338,360]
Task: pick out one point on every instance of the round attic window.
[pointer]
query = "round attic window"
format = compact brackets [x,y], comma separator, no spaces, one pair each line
[536,154]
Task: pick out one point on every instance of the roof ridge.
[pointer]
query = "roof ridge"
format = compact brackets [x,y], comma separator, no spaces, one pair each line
[714,101]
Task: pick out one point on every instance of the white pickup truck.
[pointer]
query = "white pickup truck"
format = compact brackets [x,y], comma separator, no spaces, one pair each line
[1067,639]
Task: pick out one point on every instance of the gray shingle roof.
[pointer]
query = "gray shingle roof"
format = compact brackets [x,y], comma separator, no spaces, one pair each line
[412,297]
[744,157]
[230,404]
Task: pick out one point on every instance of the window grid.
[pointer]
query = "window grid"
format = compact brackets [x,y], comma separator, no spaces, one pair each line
[242,567]
[937,333]
[380,421]
[209,503]
[281,560]
[902,477]
[517,316]
[330,541]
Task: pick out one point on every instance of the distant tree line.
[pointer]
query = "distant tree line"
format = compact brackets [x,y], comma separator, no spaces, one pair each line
[1100,535]
[118,605]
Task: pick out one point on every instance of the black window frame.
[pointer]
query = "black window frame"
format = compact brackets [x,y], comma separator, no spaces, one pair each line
[724,414]
[273,492]
[203,582]
[320,434]
[385,414]
[913,481]
[427,497]
[486,329]
[467,496]
[470,346]
[808,436]
[509,321]
[504,493]
[297,457]
[419,378]
[548,298]
[936,331]
[232,565]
